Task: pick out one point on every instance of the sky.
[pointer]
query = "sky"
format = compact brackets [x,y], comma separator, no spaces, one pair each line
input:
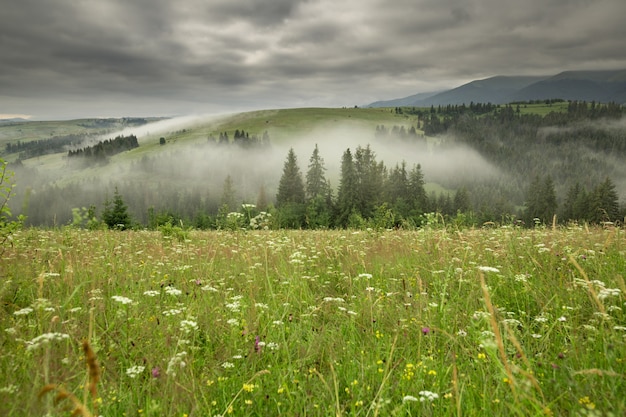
[63,59]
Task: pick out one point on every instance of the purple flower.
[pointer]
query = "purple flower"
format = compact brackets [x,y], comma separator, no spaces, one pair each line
[257,346]
[425,330]
[156,372]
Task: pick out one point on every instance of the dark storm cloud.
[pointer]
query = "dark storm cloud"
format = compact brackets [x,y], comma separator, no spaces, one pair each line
[197,55]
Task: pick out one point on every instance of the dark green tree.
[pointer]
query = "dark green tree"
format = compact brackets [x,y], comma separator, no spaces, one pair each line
[291,185]
[541,203]
[290,196]
[347,195]
[396,190]
[316,183]
[417,198]
[370,176]
[604,202]
[461,202]
[229,196]
[115,214]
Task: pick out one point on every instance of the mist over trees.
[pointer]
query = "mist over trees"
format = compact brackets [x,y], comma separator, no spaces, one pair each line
[474,164]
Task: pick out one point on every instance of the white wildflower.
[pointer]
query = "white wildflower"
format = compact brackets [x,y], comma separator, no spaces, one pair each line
[227,365]
[172,312]
[409,398]
[122,299]
[428,396]
[172,291]
[23,312]
[151,293]
[45,339]
[9,389]
[176,362]
[134,371]
[608,292]
[188,326]
[488,269]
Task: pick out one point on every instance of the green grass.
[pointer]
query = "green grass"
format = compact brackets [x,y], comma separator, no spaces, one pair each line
[317,323]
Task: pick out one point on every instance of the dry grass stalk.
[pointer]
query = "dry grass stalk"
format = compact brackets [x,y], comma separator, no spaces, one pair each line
[93,370]
[592,291]
[62,394]
[498,336]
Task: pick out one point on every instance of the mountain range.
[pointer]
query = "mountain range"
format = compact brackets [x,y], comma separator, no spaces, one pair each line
[599,86]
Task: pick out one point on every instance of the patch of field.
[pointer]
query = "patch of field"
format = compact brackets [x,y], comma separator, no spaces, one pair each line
[432,322]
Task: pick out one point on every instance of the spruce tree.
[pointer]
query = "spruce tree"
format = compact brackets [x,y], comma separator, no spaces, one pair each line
[115,215]
[315,178]
[348,192]
[290,196]
[291,185]
[605,202]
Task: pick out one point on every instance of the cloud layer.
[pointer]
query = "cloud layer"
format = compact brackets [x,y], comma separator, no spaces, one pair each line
[67,58]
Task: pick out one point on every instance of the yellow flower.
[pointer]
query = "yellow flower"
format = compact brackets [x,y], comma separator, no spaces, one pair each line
[432,372]
[482,356]
[249,387]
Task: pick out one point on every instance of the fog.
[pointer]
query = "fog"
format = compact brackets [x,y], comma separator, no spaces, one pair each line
[183,175]
[188,175]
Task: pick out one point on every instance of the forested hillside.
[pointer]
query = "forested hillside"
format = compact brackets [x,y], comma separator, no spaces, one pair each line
[520,163]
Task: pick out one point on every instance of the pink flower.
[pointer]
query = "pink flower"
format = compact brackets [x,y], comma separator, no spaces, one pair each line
[156,372]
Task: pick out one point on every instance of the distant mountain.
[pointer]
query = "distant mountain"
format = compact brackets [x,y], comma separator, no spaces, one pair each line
[600,86]
[13,120]
[406,101]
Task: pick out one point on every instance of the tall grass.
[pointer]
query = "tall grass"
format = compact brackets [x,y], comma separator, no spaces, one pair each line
[358,323]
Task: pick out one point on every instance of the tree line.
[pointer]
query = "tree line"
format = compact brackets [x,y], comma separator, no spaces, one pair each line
[104,149]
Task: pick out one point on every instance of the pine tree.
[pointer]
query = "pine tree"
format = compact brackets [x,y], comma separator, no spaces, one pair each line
[461,201]
[370,176]
[290,196]
[115,215]
[291,185]
[604,202]
[315,178]
[348,190]
[418,200]
[228,200]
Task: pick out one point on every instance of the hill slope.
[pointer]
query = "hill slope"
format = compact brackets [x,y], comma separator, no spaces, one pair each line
[599,86]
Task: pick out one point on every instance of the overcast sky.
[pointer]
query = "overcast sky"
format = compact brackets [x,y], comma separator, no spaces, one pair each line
[101,58]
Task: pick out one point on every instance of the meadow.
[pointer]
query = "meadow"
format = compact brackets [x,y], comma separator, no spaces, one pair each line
[432,322]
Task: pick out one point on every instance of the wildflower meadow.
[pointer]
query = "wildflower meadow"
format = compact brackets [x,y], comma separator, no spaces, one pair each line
[431,322]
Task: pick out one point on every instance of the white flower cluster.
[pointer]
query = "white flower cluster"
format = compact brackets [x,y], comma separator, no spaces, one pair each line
[488,269]
[134,371]
[428,396]
[188,326]
[121,299]
[608,292]
[44,339]
[176,362]
[23,312]
[172,291]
